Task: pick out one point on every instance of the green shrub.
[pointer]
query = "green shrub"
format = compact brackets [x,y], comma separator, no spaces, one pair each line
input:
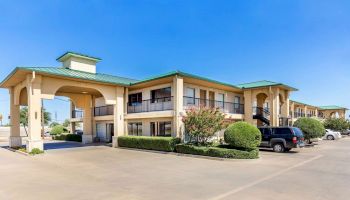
[36,151]
[312,128]
[68,137]
[336,124]
[242,135]
[220,151]
[59,137]
[148,142]
[73,137]
[57,130]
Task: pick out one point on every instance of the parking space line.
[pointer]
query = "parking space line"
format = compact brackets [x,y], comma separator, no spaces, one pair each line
[231,192]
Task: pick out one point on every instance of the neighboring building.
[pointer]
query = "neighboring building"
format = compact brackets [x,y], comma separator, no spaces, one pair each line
[110,106]
[298,109]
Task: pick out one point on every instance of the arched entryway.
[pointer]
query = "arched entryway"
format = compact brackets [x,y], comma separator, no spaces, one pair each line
[35,88]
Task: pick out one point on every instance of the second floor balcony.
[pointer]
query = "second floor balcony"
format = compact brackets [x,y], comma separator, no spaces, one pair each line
[77,114]
[226,107]
[104,110]
[151,105]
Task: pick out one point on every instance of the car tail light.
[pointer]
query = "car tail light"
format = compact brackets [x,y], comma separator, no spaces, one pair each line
[294,140]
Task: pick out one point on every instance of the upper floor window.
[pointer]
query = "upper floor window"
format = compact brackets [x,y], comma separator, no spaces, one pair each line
[237,100]
[190,96]
[135,99]
[221,99]
[161,95]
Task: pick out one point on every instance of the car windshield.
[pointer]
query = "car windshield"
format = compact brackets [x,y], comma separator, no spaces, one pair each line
[298,132]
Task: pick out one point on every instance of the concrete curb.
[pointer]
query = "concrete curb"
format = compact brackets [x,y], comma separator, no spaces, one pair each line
[188,155]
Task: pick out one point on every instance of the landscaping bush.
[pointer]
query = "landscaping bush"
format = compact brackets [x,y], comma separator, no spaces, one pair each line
[36,151]
[242,135]
[336,124]
[57,130]
[73,137]
[148,142]
[68,137]
[220,151]
[59,137]
[312,128]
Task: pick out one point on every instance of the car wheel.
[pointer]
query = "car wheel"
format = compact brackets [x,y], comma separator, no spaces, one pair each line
[330,137]
[278,147]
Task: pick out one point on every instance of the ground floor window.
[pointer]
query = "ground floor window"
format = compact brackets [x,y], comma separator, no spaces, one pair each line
[135,128]
[161,128]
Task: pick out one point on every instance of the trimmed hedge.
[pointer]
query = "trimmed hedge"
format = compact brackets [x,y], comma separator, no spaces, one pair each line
[149,142]
[242,135]
[73,137]
[219,151]
[59,137]
[68,137]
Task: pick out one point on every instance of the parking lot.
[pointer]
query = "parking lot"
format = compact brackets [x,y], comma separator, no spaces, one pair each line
[100,172]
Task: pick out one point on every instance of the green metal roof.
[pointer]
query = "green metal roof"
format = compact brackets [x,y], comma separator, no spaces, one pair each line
[263,83]
[303,103]
[71,53]
[332,107]
[180,73]
[98,77]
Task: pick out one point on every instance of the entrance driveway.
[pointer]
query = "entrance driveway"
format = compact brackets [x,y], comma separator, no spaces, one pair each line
[100,172]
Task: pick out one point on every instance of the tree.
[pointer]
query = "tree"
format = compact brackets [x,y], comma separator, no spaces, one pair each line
[54,124]
[312,128]
[24,118]
[1,119]
[201,124]
[66,123]
[336,124]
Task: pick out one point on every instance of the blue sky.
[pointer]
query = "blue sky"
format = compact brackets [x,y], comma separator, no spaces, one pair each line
[304,43]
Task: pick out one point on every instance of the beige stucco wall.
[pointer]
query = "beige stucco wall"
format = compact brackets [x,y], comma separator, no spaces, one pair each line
[80,64]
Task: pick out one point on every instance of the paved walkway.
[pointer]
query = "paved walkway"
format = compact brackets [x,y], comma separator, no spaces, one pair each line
[100,172]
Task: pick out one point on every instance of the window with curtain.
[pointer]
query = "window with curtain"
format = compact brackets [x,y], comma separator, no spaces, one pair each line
[190,96]
[135,99]
[161,95]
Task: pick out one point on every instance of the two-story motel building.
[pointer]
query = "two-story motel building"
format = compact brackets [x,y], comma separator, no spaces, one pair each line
[110,106]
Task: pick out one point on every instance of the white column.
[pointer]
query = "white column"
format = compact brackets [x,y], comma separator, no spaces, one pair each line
[87,120]
[15,139]
[118,116]
[178,89]
[248,107]
[274,106]
[34,113]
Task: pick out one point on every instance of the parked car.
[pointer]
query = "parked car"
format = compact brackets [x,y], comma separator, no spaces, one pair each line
[331,135]
[78,132]
[281,139]
[346,132]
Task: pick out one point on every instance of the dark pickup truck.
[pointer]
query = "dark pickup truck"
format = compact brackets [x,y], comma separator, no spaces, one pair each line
[281,139]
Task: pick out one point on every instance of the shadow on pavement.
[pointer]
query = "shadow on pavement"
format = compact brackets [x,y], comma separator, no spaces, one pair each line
[67,145]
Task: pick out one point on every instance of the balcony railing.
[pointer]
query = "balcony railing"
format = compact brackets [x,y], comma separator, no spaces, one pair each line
[226,107]
[150,105]
[104,110]
[77,114]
